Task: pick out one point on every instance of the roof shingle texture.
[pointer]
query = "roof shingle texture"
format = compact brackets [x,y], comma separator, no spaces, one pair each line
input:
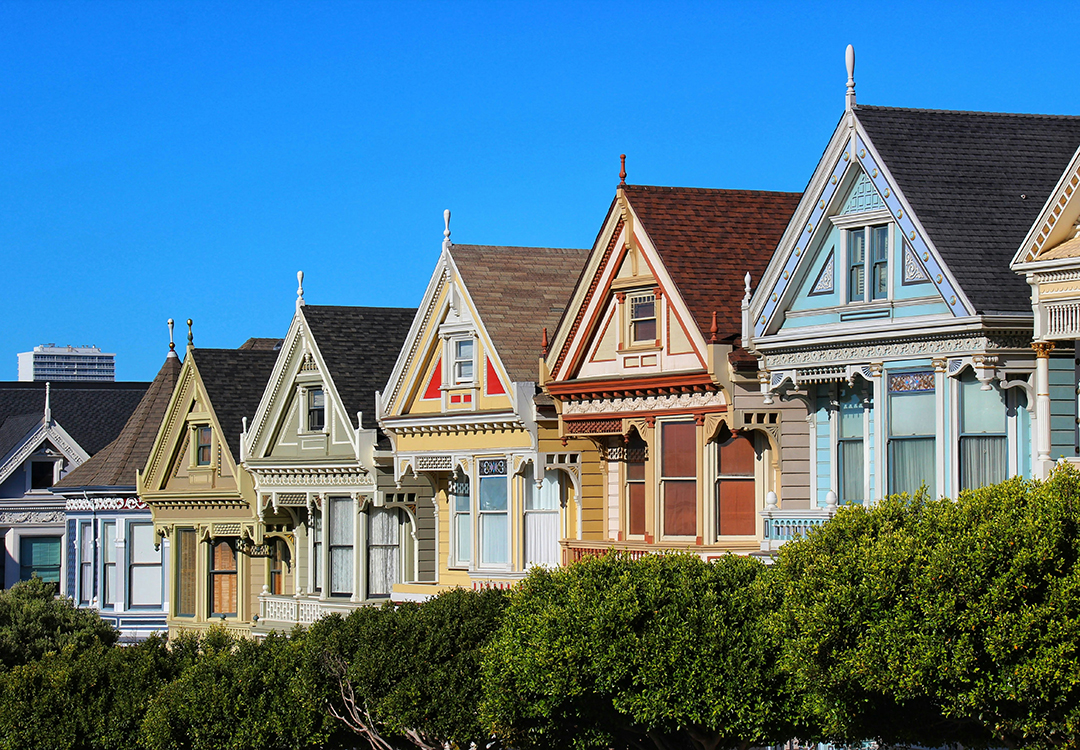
[234,380]
[116,464]
[708,240]
[360,346]
[964,174]
[518,291]
[92,413]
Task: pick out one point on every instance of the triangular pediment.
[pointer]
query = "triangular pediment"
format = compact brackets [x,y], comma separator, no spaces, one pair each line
[449,363]
[185,458]
[44,438]
[626,317]
[301,415]
[853,240]
[1054,238]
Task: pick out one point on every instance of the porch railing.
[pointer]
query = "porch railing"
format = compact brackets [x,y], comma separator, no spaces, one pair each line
[276,609]
[784,525]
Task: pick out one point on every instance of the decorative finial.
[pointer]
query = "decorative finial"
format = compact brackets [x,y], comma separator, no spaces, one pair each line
[172,344]
[849,58]
[544,343]
[299,289]
[190,338]
[622,170]
[746,283]
[446,232]
[48,407]
[712,329]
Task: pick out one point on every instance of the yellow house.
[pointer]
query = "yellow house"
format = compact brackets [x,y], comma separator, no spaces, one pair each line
[326,500]
[462,408]
[202,500]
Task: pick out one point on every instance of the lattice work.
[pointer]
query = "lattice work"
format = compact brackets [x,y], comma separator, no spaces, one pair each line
[594,426]
[864,196]
[434,463]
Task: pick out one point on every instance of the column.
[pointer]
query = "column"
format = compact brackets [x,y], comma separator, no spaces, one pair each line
[1043,462]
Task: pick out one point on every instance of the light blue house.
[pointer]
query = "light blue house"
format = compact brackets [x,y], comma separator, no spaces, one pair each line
[890,311]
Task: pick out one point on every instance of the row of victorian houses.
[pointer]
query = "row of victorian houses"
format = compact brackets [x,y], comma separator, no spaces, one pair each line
[718,372]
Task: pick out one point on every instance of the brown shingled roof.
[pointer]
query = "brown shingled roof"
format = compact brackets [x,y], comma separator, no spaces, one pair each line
[115,465]
[519,291]
[708,240]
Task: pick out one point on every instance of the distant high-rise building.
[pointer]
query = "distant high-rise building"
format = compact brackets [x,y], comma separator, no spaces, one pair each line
[52,362]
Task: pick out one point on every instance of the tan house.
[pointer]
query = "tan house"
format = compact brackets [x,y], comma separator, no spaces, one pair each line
[327,508]
[203,502]
[646,365]
[463,411]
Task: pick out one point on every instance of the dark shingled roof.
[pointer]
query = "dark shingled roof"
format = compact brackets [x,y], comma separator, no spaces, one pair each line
[360,345]
[709,239]
[519,291]
[964,174]
[116,464]
[258,344]
[92,413]
[234,381]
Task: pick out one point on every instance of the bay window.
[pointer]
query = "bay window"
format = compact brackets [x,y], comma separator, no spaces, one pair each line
[223,583]
[736,493]
[340,545]
[984,457]
[461,506]
[86,562]
[849,448]
[144,573]
[384,529]
[186,571]
[542,518]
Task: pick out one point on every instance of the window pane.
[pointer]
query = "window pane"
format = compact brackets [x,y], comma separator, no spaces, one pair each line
[492,493]
[542,539]
[911,413]
[494,539]
[737,505]
[341,570]
[984,460]
[383,526]
[911,464]
[851,471]
[635,471]
[981,411]
[145,589]
[40,556]
[382,570]
[41,475]
[679,444]
[86,534]
[341,521]
[637,507]
[186,546]
[851,414]
[737,456]
[464,349]
[879,243]
[680,508]
[463,532]
[142,543]
[108,541]
[645,330]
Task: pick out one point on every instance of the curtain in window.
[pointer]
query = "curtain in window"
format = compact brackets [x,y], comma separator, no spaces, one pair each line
[679,459]
[185,554]
[494,526]
[223,588]
[86,563]
[984,460]
[911,465]
[542,520]
[144,583]
[341,545]
[851,471]
[317,550]
[383,530]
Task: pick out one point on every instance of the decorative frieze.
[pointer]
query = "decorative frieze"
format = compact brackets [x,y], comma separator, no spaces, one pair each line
[310,477]
[11,518]
[928,346]
[680,402]
[105,503]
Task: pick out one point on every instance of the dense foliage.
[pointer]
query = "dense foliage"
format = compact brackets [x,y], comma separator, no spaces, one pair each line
[914,621]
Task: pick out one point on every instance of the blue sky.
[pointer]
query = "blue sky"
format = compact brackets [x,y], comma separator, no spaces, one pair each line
[181,160]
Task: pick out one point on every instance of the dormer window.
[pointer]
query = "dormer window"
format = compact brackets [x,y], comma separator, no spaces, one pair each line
[868,271]
[42,475]
[316,410]
[202,446]
[463,361]
[643,318]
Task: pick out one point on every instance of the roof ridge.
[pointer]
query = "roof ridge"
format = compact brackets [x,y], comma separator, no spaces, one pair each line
[518,247]
[713,191]
[1019,115]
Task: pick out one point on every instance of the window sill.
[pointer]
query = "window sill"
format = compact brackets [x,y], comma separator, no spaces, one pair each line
[639,349]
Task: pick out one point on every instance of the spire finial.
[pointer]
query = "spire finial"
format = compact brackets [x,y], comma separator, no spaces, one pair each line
[446,232]
[849,58]
[190,337]
[622,170]
[172,344]
[299,289]
[48,406]
[544,343]
[746,284]
[712,329]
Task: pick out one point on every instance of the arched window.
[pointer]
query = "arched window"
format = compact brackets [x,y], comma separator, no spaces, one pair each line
[736,493]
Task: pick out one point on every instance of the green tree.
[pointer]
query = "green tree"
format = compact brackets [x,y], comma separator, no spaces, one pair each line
[409,674]
[665,652]
[929,622]
[34,621]
[238,694]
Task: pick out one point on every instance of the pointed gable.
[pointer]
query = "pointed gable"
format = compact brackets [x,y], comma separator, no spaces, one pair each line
[518,291]
[976,181]
[117,464]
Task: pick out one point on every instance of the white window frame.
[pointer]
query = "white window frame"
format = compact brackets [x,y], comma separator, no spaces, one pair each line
[131,565]
[640,296]
[478,535]
[456,377]
[458,481]
[309,396]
